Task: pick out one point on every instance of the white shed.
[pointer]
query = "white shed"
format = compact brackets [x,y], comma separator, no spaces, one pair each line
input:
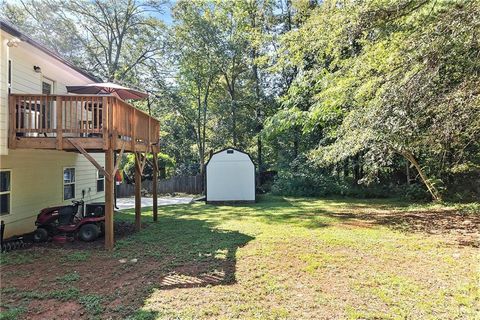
[230,177]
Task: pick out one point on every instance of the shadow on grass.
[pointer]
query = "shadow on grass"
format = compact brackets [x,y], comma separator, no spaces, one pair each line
[188,252]
[175,252]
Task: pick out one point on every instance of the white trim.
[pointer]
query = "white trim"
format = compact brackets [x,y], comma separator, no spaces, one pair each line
[48,80]
[69,183]
[97,179]
[9,192]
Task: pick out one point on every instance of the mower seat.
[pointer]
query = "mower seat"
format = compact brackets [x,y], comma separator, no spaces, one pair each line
[65,215]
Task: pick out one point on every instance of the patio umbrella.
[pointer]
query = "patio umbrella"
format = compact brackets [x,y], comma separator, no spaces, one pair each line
[108,88]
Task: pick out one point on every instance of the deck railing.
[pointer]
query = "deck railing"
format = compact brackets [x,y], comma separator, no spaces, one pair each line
[81,116]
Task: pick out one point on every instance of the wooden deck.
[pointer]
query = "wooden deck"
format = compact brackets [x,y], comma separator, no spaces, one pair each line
[97,123]
[85,124]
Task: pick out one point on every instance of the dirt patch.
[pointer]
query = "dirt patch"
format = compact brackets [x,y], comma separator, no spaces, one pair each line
[462,228]
[54,309]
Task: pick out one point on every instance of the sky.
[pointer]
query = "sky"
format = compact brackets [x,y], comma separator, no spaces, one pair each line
[166,16]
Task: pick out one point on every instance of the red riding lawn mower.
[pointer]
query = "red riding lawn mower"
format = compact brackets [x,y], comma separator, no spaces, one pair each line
[68,222]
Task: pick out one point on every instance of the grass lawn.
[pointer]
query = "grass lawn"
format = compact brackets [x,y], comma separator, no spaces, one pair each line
[282,258]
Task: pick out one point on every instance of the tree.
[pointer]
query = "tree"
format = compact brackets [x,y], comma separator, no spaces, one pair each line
[387,78]
[109,38]
[195,44]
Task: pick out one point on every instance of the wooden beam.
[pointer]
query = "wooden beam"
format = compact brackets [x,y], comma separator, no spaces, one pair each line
[154,187]
[138,194]
[133,128]
[118,160]
[50,143]
[109,199]
[105,122]
[59,123]
[142,160]
[91,144]
[108,173]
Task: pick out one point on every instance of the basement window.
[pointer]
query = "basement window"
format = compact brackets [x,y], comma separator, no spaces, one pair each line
[5,191]
[68,183]
[100,181]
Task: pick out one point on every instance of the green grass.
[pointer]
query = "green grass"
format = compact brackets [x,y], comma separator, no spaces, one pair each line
[92,303]
[12,313]
[68,294]
[17,258]
[281,258]
[69,277]
[76,256]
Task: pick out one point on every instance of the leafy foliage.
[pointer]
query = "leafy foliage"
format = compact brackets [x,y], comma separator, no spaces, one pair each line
[352,95]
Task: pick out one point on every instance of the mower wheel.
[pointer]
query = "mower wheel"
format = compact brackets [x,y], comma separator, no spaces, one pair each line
[89,232]
[40,235]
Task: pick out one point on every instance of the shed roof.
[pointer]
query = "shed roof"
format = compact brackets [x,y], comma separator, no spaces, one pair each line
[230,148]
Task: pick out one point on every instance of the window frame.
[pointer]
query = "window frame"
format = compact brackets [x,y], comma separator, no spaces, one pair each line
[50,82]
[100,179]
[69,183]
[9,192]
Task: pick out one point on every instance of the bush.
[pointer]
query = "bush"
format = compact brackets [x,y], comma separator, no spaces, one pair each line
[303,178]
[415,192]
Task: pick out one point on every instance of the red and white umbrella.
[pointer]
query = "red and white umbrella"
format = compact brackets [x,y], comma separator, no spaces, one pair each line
[108,88]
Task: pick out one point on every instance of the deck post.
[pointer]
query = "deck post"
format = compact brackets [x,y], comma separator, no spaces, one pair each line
[138,195]
[59,123]
[154,186]
[106,106]
[109,185]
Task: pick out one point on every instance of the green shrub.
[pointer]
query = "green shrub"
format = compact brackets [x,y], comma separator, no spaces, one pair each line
[305,179]
[415,192]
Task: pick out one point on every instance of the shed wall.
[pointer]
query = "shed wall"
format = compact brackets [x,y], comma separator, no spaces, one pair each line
[230,177]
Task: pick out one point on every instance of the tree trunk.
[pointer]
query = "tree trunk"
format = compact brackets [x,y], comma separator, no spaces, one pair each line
[234,122]
[296,142]
[346,170]
[431,188]
[407,172]
[259,151]
[356,168]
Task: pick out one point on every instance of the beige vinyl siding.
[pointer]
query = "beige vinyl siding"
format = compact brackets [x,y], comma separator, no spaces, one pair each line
[37,175]
[26,80]
[3,93]
[37,183]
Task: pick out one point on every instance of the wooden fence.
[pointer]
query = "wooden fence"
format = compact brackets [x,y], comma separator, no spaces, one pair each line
[184,184]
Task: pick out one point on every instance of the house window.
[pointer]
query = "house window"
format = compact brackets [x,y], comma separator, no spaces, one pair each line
[46,88]
[5,191]
[100,181]
[68,183]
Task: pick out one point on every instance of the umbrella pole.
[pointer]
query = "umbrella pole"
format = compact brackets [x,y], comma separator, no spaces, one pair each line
[115,182]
